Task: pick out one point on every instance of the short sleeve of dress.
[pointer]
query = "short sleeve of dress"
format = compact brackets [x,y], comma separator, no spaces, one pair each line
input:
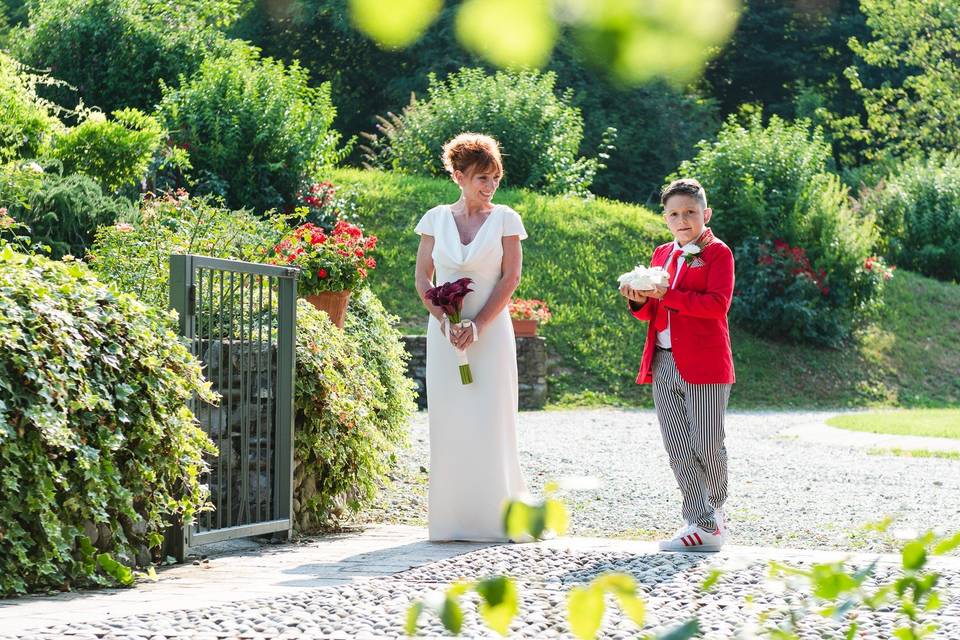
[512,225]
[425,226]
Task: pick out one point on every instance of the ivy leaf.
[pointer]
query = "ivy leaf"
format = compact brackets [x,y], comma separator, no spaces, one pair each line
[830,580]
[914,556]
[711,580]
[451,615]
[947,545]
[556,517]
[933,602]
[585,611]
[500,603]
[118,571]
[413,615]
[521,519]
[634,607]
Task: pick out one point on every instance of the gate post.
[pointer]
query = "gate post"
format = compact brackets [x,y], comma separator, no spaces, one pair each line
[286,365]
[181,300]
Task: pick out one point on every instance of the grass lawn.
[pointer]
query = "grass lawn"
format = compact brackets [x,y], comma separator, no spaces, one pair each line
[938,423]
[576,250]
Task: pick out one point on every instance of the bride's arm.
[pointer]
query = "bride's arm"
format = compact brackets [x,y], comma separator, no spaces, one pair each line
[509,279]
[424,276]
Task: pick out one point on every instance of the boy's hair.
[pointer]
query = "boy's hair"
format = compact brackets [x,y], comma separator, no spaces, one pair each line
[684,187]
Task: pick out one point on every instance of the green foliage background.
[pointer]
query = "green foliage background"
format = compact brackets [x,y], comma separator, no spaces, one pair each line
[574,254]
[253,127]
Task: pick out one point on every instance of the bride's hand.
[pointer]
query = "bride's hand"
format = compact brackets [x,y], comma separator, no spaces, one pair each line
[464,336]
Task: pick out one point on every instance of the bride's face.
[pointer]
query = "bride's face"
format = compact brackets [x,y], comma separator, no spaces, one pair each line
[478,185]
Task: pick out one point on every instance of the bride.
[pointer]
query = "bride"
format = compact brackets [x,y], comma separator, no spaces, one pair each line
[474,467]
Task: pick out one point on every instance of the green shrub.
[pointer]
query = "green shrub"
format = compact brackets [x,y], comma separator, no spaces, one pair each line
[352,396]
[780,295]
[94,426]
[26,121]
[134,254]
[539,132]
[113,52]
[756,176]
[253,127]
[918,211]
[772,183]
[116,153]
[61,211]
[353,401]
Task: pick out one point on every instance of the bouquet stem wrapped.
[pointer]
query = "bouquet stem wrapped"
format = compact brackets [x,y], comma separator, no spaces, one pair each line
[449,297]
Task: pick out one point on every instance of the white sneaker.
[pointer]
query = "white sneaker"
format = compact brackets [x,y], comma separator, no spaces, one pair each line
[694,538]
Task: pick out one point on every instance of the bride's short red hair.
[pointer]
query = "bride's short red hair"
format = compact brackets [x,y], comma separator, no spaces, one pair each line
[472,152]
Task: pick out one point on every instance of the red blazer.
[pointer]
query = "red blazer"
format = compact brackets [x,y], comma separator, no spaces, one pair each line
[698,304]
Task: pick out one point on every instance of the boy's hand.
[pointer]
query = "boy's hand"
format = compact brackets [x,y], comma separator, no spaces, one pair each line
[634,295]
[657,293]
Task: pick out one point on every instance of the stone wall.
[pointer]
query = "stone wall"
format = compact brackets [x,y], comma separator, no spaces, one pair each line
[531,369]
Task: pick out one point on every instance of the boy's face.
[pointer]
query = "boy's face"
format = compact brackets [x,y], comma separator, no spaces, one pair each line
[685,217]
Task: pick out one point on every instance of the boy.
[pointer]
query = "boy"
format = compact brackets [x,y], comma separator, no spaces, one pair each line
[687,358]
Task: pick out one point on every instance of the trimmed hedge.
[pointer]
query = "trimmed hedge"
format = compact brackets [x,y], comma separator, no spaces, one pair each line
[96,440]
[538,130]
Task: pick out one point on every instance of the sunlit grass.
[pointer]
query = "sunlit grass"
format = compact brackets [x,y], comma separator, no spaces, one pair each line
[915,453]
[937,423]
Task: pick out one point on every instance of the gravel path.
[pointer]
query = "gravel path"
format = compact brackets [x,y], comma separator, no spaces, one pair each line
[783,492]
[669,584]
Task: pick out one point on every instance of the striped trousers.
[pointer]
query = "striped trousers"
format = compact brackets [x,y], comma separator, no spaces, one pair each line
[691,423]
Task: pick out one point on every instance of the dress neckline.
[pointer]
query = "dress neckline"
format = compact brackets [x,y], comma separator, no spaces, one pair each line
[456,229]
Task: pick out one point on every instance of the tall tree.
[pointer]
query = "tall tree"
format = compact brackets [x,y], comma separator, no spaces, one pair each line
[915,44]
[783,49]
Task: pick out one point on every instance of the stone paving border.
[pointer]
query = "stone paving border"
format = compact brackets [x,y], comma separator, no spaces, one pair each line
[288,574]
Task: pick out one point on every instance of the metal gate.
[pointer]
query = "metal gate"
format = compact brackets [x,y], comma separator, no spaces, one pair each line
[239,319]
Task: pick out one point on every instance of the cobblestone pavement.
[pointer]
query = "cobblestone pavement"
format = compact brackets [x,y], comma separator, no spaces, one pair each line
[791,500]
[784,491]
[669,584]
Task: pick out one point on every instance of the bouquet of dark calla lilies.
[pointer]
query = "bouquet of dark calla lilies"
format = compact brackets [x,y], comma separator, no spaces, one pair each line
[449,297]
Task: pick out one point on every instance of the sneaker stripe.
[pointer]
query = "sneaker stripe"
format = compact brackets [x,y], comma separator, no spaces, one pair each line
[684,541]
[697,536]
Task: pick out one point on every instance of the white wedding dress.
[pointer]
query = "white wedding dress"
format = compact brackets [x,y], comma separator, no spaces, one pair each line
[474,468]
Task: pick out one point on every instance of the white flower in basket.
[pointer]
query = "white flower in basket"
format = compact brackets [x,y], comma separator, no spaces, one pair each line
[643,278]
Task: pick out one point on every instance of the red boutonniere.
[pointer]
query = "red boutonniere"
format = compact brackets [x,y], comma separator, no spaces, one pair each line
[692,254]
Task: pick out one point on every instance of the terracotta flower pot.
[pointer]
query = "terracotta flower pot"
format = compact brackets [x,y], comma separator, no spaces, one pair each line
[333,302]
[524,328]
